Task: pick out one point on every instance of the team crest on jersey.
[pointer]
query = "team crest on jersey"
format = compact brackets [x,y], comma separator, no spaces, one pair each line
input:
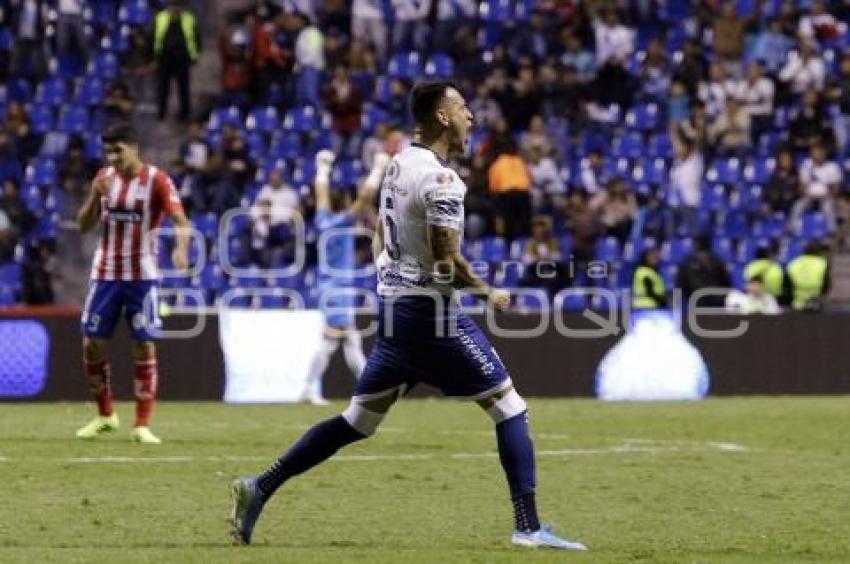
[443,178]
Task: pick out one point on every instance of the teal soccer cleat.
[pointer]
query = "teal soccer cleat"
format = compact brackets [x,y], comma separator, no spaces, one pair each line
[247,504]
[545,538]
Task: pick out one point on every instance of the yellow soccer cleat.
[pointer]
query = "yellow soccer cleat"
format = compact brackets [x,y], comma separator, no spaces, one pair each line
[97,426]
[143,435]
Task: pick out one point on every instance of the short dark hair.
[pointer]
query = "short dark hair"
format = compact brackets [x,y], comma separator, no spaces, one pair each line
[425,97]
[120,133]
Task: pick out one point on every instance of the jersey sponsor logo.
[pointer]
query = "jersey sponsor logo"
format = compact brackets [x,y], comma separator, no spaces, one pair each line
[124,215]
[450,208]
[479,356]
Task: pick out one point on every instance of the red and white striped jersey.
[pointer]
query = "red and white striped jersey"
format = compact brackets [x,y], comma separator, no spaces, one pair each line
[131,208]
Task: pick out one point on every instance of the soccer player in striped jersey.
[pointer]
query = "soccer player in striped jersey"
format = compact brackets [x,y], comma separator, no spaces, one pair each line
[422,334]
[130,198]
[336,220]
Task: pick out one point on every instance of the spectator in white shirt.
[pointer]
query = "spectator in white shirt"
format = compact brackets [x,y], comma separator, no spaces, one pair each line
[411,27]
[820,180]
[805,70]
[686,184]
[547,186]
[368,25]
[755,300]
[613,39]
[273,213]
[756,93]
[716,90]
[593,175]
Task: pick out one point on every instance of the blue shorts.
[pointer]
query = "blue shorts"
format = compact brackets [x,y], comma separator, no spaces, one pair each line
[108,299]
[422,341]
[337,304]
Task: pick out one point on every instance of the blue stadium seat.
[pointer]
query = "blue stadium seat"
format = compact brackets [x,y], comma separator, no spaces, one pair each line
[220,117]
[759,170]
[496,11]
[305,172]
[629,145]
[814,226]
[91,91]
[725,171]
[212,278]
[19,90]
[206,224]
[256,142]
[734,223]
[135,12]
[73,119]
[676,250]
[660,145]
[792,249]
[574,302]
[643,117]
[33,198]
[608,249]
[286,145]
[508,274]
[372,116]
[346,174]
[264,120]
[769,142]
[724,248]
[771,228]
[439,65]
[116,41]
[494,249]
[53,92]
[10,275]
[405,65]
[93,147]
[42,172]
[669,273]
[104,65]
[714,198]
[303,119]
[41,119]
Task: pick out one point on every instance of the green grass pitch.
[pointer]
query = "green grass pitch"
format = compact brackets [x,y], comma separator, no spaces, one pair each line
[725,480]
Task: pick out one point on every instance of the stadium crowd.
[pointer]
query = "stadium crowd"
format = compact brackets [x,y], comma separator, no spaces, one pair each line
[681,143]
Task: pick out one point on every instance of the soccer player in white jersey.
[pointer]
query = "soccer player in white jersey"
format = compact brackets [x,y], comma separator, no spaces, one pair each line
[130,198]
[423,336]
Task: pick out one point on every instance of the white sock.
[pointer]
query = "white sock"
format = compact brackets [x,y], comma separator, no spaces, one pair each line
[318,366]
[352,349]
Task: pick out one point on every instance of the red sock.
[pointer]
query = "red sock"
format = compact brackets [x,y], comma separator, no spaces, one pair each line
[98,376]
[146,380]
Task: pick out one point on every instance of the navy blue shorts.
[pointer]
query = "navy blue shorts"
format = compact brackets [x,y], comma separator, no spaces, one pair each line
[422,341]
[107,300]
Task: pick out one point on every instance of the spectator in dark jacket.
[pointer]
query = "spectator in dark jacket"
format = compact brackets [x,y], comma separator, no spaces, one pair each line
[176,46]
[344,101]
[703,270]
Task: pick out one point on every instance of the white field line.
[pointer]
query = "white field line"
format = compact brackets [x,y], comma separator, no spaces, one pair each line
[628,447]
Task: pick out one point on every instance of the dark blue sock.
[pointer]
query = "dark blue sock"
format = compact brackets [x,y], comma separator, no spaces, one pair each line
[516,453]
[318,444]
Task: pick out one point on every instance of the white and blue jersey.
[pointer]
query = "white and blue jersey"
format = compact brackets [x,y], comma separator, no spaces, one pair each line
[337,265]
[424,338]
